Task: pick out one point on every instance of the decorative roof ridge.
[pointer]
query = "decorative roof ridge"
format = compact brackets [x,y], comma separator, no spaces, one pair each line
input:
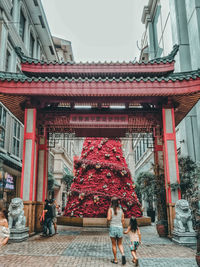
[173,77]
[169,57]
[30,60]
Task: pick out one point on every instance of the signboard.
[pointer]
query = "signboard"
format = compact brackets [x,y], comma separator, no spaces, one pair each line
[9,182]
[99,119]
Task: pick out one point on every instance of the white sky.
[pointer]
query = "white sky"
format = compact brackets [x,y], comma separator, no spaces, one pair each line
[98,29]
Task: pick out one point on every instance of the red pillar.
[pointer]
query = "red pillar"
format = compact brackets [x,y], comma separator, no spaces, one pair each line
[28,178]
[170,164]
[170,155]
[42,167]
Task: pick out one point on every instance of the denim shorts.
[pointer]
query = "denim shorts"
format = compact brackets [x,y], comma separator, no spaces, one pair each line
[116,232]
[134,245]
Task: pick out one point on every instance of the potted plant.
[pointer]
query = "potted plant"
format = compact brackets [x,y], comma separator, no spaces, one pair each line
[146,183]
[160,196]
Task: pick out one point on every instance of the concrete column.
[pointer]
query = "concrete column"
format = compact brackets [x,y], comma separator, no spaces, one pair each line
[15,11]
[42,168]
[3,44]
[170,155]
[193,23]
[180,34]
[28,179]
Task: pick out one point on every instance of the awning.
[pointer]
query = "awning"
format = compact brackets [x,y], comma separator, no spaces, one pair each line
[9,161]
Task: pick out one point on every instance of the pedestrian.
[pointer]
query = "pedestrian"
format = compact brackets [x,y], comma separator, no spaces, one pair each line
[4,230]
[48,219]
[135,238]
[116,218]
[54,210]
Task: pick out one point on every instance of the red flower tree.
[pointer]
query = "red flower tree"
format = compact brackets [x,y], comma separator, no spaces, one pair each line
[100,174]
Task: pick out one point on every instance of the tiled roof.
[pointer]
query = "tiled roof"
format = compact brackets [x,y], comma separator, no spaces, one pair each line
[167,59]
[19,77]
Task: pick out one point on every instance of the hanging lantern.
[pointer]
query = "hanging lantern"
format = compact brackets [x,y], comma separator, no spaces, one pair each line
[90,176]
[98,166]
[123,172]
[85,154]
[96,199]
[81,180]
[118,157]
[108,174]
[124,194]
[81,196]
[92,148]
[114,150]
[113,181]
[130,203]
[107,156]
[99,147]
[128,184]
[83,166]
[105,186]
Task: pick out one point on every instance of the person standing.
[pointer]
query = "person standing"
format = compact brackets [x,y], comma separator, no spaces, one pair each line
[48,218]
[135,238]
[54,211]
[116,218]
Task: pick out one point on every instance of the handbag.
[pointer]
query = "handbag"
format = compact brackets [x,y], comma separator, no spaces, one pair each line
[41,219]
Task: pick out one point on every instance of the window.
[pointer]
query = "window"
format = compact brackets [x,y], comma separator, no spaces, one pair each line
[16,138]
[22,25]
[31,48]
[2,124]
[8,61]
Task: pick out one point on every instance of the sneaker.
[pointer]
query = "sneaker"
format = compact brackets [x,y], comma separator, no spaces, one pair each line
[50,235]
[123,260]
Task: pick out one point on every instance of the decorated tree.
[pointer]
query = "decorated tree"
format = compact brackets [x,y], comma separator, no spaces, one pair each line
[100,174]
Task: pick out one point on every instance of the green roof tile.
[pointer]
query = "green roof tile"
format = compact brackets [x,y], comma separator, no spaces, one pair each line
[19,77]
[167,59]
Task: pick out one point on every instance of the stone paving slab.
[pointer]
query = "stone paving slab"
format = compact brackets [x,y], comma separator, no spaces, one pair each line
[169,262]
[88,247]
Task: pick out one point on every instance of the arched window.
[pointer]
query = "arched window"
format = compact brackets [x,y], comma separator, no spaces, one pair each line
[22,24]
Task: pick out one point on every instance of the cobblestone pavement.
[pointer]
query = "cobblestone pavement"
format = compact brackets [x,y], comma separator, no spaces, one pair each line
[88,247]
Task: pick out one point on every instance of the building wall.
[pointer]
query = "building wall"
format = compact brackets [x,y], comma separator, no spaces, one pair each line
[177,22]
[11,141]
[61,160]
[35,42]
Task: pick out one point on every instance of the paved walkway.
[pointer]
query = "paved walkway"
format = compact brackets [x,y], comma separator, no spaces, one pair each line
[88,247]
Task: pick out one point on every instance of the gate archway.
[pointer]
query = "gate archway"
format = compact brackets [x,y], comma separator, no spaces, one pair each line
[120,98]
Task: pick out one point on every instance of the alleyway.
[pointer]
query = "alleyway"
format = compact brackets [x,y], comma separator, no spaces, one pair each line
[88,247]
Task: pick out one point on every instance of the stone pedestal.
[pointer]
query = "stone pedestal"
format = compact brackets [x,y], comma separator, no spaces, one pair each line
[18,235]
[188,239]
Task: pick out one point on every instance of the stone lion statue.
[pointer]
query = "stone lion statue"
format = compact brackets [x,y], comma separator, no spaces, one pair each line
[16,218]
[183,218]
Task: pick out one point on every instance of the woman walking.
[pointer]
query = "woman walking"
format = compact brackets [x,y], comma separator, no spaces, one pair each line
[116,218]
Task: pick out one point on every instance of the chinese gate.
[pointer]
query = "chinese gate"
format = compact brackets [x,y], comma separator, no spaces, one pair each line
[116,99]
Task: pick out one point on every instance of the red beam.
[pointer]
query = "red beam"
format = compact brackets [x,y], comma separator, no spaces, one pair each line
[101,89]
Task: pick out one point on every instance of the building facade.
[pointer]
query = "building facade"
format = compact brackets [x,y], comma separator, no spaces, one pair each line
[168,23]
[11,141]
[22,24]
[61,157]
